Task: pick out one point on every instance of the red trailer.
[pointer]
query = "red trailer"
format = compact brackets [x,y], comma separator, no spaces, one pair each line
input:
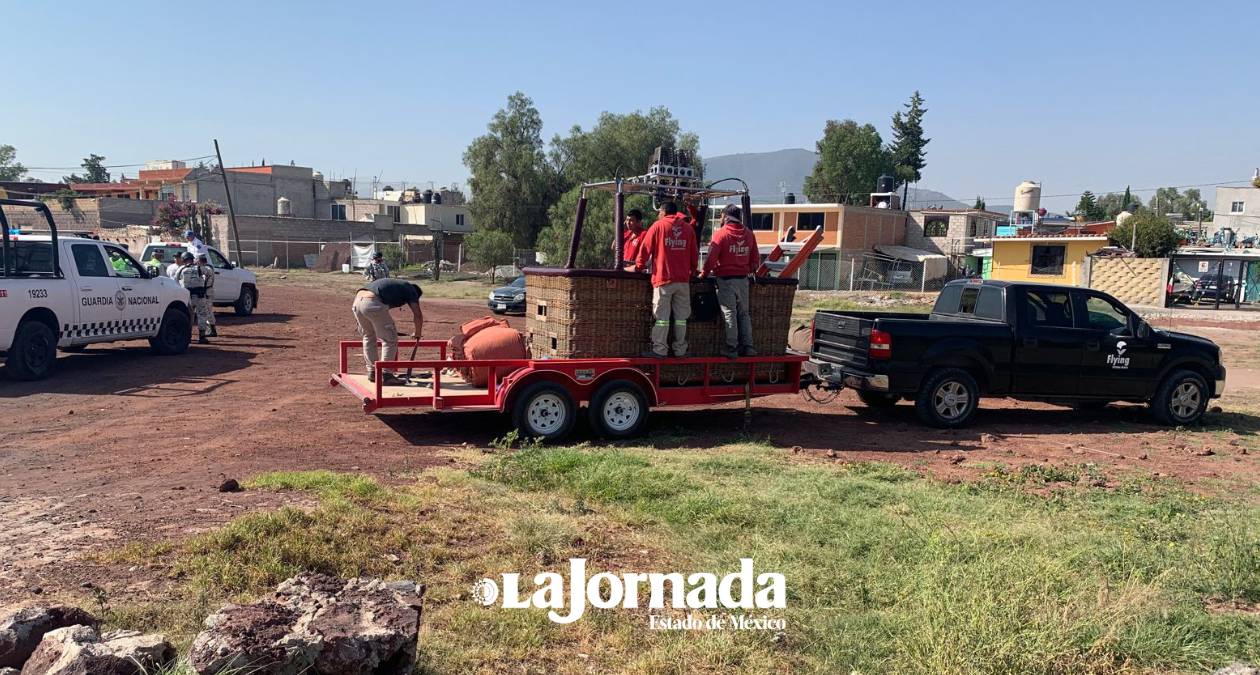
[544,395]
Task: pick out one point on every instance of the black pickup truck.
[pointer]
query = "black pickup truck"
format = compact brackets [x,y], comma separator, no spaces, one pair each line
[1022,340]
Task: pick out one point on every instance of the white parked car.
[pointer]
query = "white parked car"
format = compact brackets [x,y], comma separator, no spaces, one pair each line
[233,286]
[70,292]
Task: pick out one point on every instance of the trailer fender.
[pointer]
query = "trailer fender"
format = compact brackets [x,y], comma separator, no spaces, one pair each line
[519,381]
[632,374]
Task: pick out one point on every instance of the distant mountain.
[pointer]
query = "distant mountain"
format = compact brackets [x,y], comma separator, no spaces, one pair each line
[770,174]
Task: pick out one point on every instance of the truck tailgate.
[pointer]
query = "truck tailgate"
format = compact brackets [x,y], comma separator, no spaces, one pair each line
[841,339]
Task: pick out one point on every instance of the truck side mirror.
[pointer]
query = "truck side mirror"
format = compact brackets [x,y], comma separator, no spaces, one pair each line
[1143,329]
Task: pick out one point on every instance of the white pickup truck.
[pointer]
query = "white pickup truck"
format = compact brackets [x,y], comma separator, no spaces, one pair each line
[234,286]
[69,292]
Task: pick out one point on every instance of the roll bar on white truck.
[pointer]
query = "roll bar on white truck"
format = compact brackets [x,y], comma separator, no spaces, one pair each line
[67,293]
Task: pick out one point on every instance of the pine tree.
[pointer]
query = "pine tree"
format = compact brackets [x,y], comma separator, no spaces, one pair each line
[1128,198]
[979,203]
[908,144]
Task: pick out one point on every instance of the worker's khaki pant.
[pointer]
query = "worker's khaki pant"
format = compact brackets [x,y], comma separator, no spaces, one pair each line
[210,305]
[732,296]
[375,323]
[667,300]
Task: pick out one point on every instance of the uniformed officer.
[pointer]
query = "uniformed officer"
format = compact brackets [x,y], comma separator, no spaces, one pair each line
[377,269]
[191,277]
[207,271]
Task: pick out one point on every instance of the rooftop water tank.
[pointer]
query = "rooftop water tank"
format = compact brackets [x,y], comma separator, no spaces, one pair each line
[1027,196]
[885,183]
[283,208]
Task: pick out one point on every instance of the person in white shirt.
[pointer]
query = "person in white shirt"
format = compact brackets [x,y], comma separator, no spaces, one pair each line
[172,270]
[196,246]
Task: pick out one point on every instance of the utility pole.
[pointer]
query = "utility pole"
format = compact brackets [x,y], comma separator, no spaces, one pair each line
[236,235]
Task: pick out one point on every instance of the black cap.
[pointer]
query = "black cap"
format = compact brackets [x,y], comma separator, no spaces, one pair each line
[187,256]
[733,213]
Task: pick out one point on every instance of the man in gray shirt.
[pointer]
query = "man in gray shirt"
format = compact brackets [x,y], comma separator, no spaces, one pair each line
[371,310]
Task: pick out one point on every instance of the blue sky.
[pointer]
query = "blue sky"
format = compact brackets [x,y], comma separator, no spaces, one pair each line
[1079,95]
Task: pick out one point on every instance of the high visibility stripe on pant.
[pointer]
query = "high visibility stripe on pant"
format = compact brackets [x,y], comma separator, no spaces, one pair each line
[662,323]
[681,323]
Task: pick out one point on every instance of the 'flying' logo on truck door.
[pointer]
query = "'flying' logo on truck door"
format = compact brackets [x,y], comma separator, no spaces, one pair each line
[1119,361]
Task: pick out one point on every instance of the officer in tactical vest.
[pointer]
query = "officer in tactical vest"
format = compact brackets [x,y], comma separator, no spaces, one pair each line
[208,272]
[192,277]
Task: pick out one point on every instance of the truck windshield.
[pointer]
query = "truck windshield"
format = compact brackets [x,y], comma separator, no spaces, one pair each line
[29,257]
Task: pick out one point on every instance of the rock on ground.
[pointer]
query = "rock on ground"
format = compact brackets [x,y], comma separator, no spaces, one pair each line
[316,624]
[80,650]
[21,630]
[1237,669]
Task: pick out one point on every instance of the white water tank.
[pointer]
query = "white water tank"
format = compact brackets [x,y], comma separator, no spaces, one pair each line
[1027,196]
[283,208]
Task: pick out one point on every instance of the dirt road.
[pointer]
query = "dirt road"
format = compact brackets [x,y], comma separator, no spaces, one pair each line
[120,444]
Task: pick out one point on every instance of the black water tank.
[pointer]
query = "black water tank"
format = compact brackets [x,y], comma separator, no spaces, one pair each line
[428,196]
[790,198]
[885,183]
[437,197]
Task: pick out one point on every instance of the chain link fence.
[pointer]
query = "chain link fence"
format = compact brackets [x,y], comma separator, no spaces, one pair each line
[837,271]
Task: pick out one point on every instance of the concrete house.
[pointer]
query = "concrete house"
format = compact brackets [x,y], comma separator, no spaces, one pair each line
[953,233]
[1238,208]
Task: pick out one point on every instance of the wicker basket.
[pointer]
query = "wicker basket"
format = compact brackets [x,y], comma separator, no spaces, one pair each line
[605,313]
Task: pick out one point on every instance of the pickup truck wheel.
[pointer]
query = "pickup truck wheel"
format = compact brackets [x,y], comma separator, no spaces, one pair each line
[878,399]
[245,304]
[173,335]
[33,352]
[1181,398]
[544,410]
[618,410]
[948,398]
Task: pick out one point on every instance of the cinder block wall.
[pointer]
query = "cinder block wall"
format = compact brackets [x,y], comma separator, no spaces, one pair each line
[1133,281]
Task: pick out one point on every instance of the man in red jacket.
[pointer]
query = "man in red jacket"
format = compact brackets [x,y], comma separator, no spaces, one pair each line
[671,246]
[631,238]
[733,256]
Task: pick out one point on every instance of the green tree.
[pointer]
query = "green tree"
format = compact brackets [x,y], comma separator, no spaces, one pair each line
[1128,199]
[1110,205]
[10,168]
[490,248]
[1088,208]
[618,144]
[511,181]
[1156,236]
[93,171]
[907,150]
[850,158]
[1190,204]
[979,203]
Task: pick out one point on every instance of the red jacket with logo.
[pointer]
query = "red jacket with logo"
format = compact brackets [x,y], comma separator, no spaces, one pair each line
[732,252]
[671,245]
[630,242]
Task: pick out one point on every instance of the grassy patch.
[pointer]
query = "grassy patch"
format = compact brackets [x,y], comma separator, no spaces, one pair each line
[886,571]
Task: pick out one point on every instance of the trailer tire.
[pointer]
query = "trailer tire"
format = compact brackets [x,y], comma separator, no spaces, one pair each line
[33,352]
[619,409]
[544,410]
[1181,398]
[948,398]
[878,399]
[174,333]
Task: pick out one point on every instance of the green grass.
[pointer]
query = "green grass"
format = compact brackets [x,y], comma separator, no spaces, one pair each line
[1022,571]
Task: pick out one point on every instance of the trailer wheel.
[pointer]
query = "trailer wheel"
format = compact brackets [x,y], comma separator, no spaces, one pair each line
[33,352]
[544,410]
[948,398]
[1180,399]
[618,410]
[878,399]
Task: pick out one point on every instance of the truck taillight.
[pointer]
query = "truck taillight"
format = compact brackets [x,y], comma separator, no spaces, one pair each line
[881,345]
[813,331]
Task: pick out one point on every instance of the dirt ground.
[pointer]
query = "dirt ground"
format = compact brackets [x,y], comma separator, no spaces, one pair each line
[120,445]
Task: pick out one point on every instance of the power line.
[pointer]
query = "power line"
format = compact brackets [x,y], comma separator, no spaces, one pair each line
[107,166]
